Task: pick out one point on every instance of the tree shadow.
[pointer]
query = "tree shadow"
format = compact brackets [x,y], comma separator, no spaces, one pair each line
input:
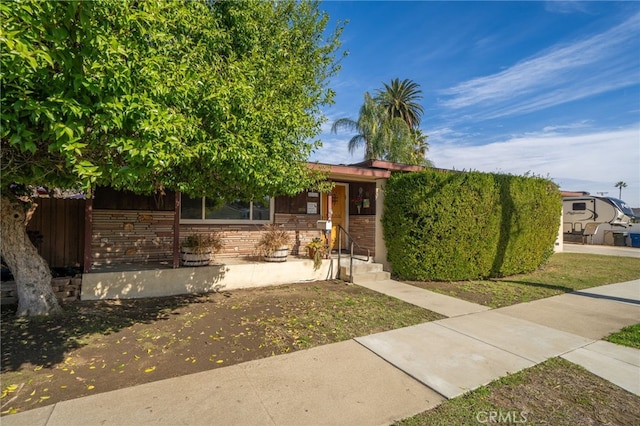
[507,206]
[45,341]
[539,285]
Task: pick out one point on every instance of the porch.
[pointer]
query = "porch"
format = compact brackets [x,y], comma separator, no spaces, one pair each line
[127,281]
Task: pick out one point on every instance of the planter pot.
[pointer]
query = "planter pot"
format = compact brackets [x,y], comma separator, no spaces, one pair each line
[189,257]
[312,252]
[279,255]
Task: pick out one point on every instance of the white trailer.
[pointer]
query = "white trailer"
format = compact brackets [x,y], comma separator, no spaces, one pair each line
[583,216]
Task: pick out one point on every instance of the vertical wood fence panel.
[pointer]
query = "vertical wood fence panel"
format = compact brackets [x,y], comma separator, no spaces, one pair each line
[59,227]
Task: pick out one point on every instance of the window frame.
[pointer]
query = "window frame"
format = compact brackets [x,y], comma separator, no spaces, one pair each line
[249,221]
[579,206]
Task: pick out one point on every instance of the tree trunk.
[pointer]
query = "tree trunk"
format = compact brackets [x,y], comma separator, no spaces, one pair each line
[29,269]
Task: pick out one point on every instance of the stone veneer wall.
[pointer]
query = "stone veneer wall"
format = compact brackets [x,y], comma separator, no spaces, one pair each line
[363,230]
[137,236]
[131,236]
[240,239]
[66,289]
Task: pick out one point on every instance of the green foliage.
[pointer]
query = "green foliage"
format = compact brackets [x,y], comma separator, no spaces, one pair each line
[317,250]
[387,125]
[455,226]
[210,98]
[628,336]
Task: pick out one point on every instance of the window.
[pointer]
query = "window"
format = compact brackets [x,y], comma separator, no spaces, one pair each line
[204,210]
[579,206]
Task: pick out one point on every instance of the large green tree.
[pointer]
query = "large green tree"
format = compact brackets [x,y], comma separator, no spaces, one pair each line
[215,98]
[400,99]
[387,125]
[367,128]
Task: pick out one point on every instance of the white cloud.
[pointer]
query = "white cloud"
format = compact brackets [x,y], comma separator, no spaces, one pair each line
[335,150]
[571,126]
[599,159]
[564,7]
[564,73]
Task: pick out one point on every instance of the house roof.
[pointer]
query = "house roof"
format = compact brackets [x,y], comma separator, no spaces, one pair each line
[351,172]
[573,193]
[365,171]
[387,165]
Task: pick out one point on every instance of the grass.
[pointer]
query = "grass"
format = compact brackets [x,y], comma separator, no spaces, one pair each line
[106,345]
[555,392]
[628,336]
[565,272]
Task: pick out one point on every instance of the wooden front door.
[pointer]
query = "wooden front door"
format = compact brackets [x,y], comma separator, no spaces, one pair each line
[339,212]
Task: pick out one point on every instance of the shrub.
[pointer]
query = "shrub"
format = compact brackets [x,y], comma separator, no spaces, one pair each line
[457,226]
[273,238]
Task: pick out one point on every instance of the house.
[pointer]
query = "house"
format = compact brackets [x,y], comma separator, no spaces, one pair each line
[127,245]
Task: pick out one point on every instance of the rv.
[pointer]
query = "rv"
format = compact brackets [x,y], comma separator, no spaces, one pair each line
[597,217]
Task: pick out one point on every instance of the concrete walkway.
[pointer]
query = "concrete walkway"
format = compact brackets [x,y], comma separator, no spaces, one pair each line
[377,379]
[455,355]
[600,249]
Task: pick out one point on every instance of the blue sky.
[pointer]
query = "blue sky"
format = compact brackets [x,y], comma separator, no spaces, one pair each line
[550,88]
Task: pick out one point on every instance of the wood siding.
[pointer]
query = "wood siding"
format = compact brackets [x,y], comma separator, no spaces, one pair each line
[58,228]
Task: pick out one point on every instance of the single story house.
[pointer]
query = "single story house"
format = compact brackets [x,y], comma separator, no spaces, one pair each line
[127,245]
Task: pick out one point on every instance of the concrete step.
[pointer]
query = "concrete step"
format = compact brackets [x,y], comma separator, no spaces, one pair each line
[364,272]
[371,276]
[363,267]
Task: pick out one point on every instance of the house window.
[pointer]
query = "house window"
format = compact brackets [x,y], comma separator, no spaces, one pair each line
[204,210]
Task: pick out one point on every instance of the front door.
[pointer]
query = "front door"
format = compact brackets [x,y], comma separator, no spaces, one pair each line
[339,212]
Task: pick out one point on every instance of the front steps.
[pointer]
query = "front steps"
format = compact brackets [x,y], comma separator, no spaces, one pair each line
[363,271]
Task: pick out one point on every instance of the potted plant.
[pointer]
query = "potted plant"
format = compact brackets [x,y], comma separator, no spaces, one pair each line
[274,243]
[199,249]
[316,249]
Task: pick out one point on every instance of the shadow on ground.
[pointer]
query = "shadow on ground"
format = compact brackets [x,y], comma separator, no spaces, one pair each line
[44,341]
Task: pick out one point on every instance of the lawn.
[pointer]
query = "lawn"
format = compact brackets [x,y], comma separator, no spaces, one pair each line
[98,346]
[555,392]
[563,273]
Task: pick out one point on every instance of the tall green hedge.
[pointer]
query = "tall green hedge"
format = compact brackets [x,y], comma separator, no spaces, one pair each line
[456,226]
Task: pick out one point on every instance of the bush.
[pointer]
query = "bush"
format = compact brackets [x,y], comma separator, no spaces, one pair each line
[457,226]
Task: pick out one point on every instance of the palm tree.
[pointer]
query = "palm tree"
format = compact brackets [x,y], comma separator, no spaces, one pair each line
[367,127]
[620,185]
[387,125]
[420,149]
[400,100]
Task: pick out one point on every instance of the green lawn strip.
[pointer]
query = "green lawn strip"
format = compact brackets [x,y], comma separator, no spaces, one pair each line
[555,392]
[628,336]
[565,272]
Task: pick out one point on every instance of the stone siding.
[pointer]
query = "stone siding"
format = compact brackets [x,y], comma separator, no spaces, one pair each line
[66,289]
[131,236]
[363,230]
[240,239]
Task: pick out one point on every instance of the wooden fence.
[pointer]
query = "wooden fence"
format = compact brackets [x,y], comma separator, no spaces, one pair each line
[57,227]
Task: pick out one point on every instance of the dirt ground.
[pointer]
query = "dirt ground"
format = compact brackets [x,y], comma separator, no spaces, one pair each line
[99,346]
[106,345]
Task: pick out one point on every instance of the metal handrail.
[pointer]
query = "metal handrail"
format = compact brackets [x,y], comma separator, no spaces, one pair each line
[352,243]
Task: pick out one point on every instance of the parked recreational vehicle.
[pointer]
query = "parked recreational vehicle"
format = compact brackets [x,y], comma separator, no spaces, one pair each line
[600,220]
[578,212]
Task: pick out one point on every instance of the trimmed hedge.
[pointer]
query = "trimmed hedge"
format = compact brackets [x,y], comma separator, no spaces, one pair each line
[449,226]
